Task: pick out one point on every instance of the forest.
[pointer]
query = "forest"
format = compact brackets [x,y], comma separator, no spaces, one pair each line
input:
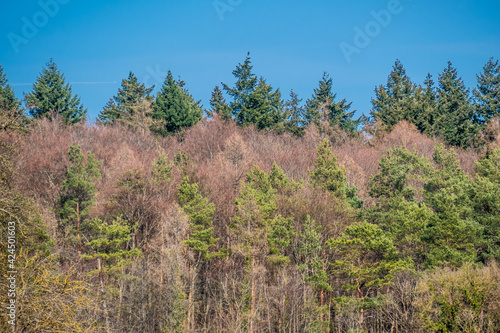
[256,214]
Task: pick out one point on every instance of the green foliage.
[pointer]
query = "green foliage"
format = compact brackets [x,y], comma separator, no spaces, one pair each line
[394,101]
[123,106]
[51,94]
[455,120]
[453,234]
[8,98]
[108,242]
[426,107]
[218,105]
[175,108]
[162,167]
[488,91]
[78,189]
[322,107]
[254,101]
[200,214]
[329,176]
[294,115]
[366,257]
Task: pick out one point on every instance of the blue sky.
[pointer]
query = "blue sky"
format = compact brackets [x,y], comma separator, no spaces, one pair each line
[96,43]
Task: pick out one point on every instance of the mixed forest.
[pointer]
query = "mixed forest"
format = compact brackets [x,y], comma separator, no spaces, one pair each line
[256,214]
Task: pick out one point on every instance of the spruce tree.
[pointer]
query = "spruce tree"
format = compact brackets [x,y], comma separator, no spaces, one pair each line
[246,83]
[294,115]
[123,105]
[394,101]
[456,119]
[322,107]
[218,105]
[8,98]
[51,94]
[426,107]
[487,94]
[265,107]
[175,108]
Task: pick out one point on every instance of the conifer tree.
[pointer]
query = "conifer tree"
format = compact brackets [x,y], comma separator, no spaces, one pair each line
[246,83]
[294,114]
[123,106]
[78,190]
[487,93]
[394,101]
[51,94]
[175,108]
[8,98]
[426,107]
[322,107]
[456,120]
[218,105]
[329,176]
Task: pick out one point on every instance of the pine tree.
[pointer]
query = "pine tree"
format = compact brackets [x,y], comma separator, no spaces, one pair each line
[394,101]
[426,107]
[200,213]
[265,107]
[487,94]
[294,115]
[51,94]
[8,98]
[218,105]
[175,108]
[122,107]
[456,120]
[78,190]
[323,108]
[245,84]
[11,114]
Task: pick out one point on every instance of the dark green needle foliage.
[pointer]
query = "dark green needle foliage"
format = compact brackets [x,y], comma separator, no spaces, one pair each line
[394,101]
[487,94]
[456,119]
[51,94]
[323,108]
[218,105]
[8,98]
[294,115]
[175,108]
[123,105]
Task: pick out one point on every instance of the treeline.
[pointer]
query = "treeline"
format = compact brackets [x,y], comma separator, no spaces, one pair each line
[130,225]
[447,110]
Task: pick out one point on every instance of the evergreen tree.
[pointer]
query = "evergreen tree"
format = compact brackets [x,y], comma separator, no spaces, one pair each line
[394,101]
[200,213]
[487,94]
[8,98]
[175,108]
[322,107]
[426,107]
[218,105]
[294,115]
[329,176]
[245,84]
[51,94]
[122,107]
[78,190]
[456,120]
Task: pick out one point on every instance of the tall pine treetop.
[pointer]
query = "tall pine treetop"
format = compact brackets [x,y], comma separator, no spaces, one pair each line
[175,108]
[393,102]
[131,94]
[218,105]
[51,93]
[487,93]
[8,99]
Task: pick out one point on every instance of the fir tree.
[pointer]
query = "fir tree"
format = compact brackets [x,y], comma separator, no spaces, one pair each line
[394,101]
[487,94]
[294,115]
[218,105]
[8,98]
[322,107]
[123,106]
[51,94]
[456,120]
[265,107]
[175,108]
[426,107]
[246,83]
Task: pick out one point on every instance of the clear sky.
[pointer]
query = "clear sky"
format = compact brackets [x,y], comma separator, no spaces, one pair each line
[96,43]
